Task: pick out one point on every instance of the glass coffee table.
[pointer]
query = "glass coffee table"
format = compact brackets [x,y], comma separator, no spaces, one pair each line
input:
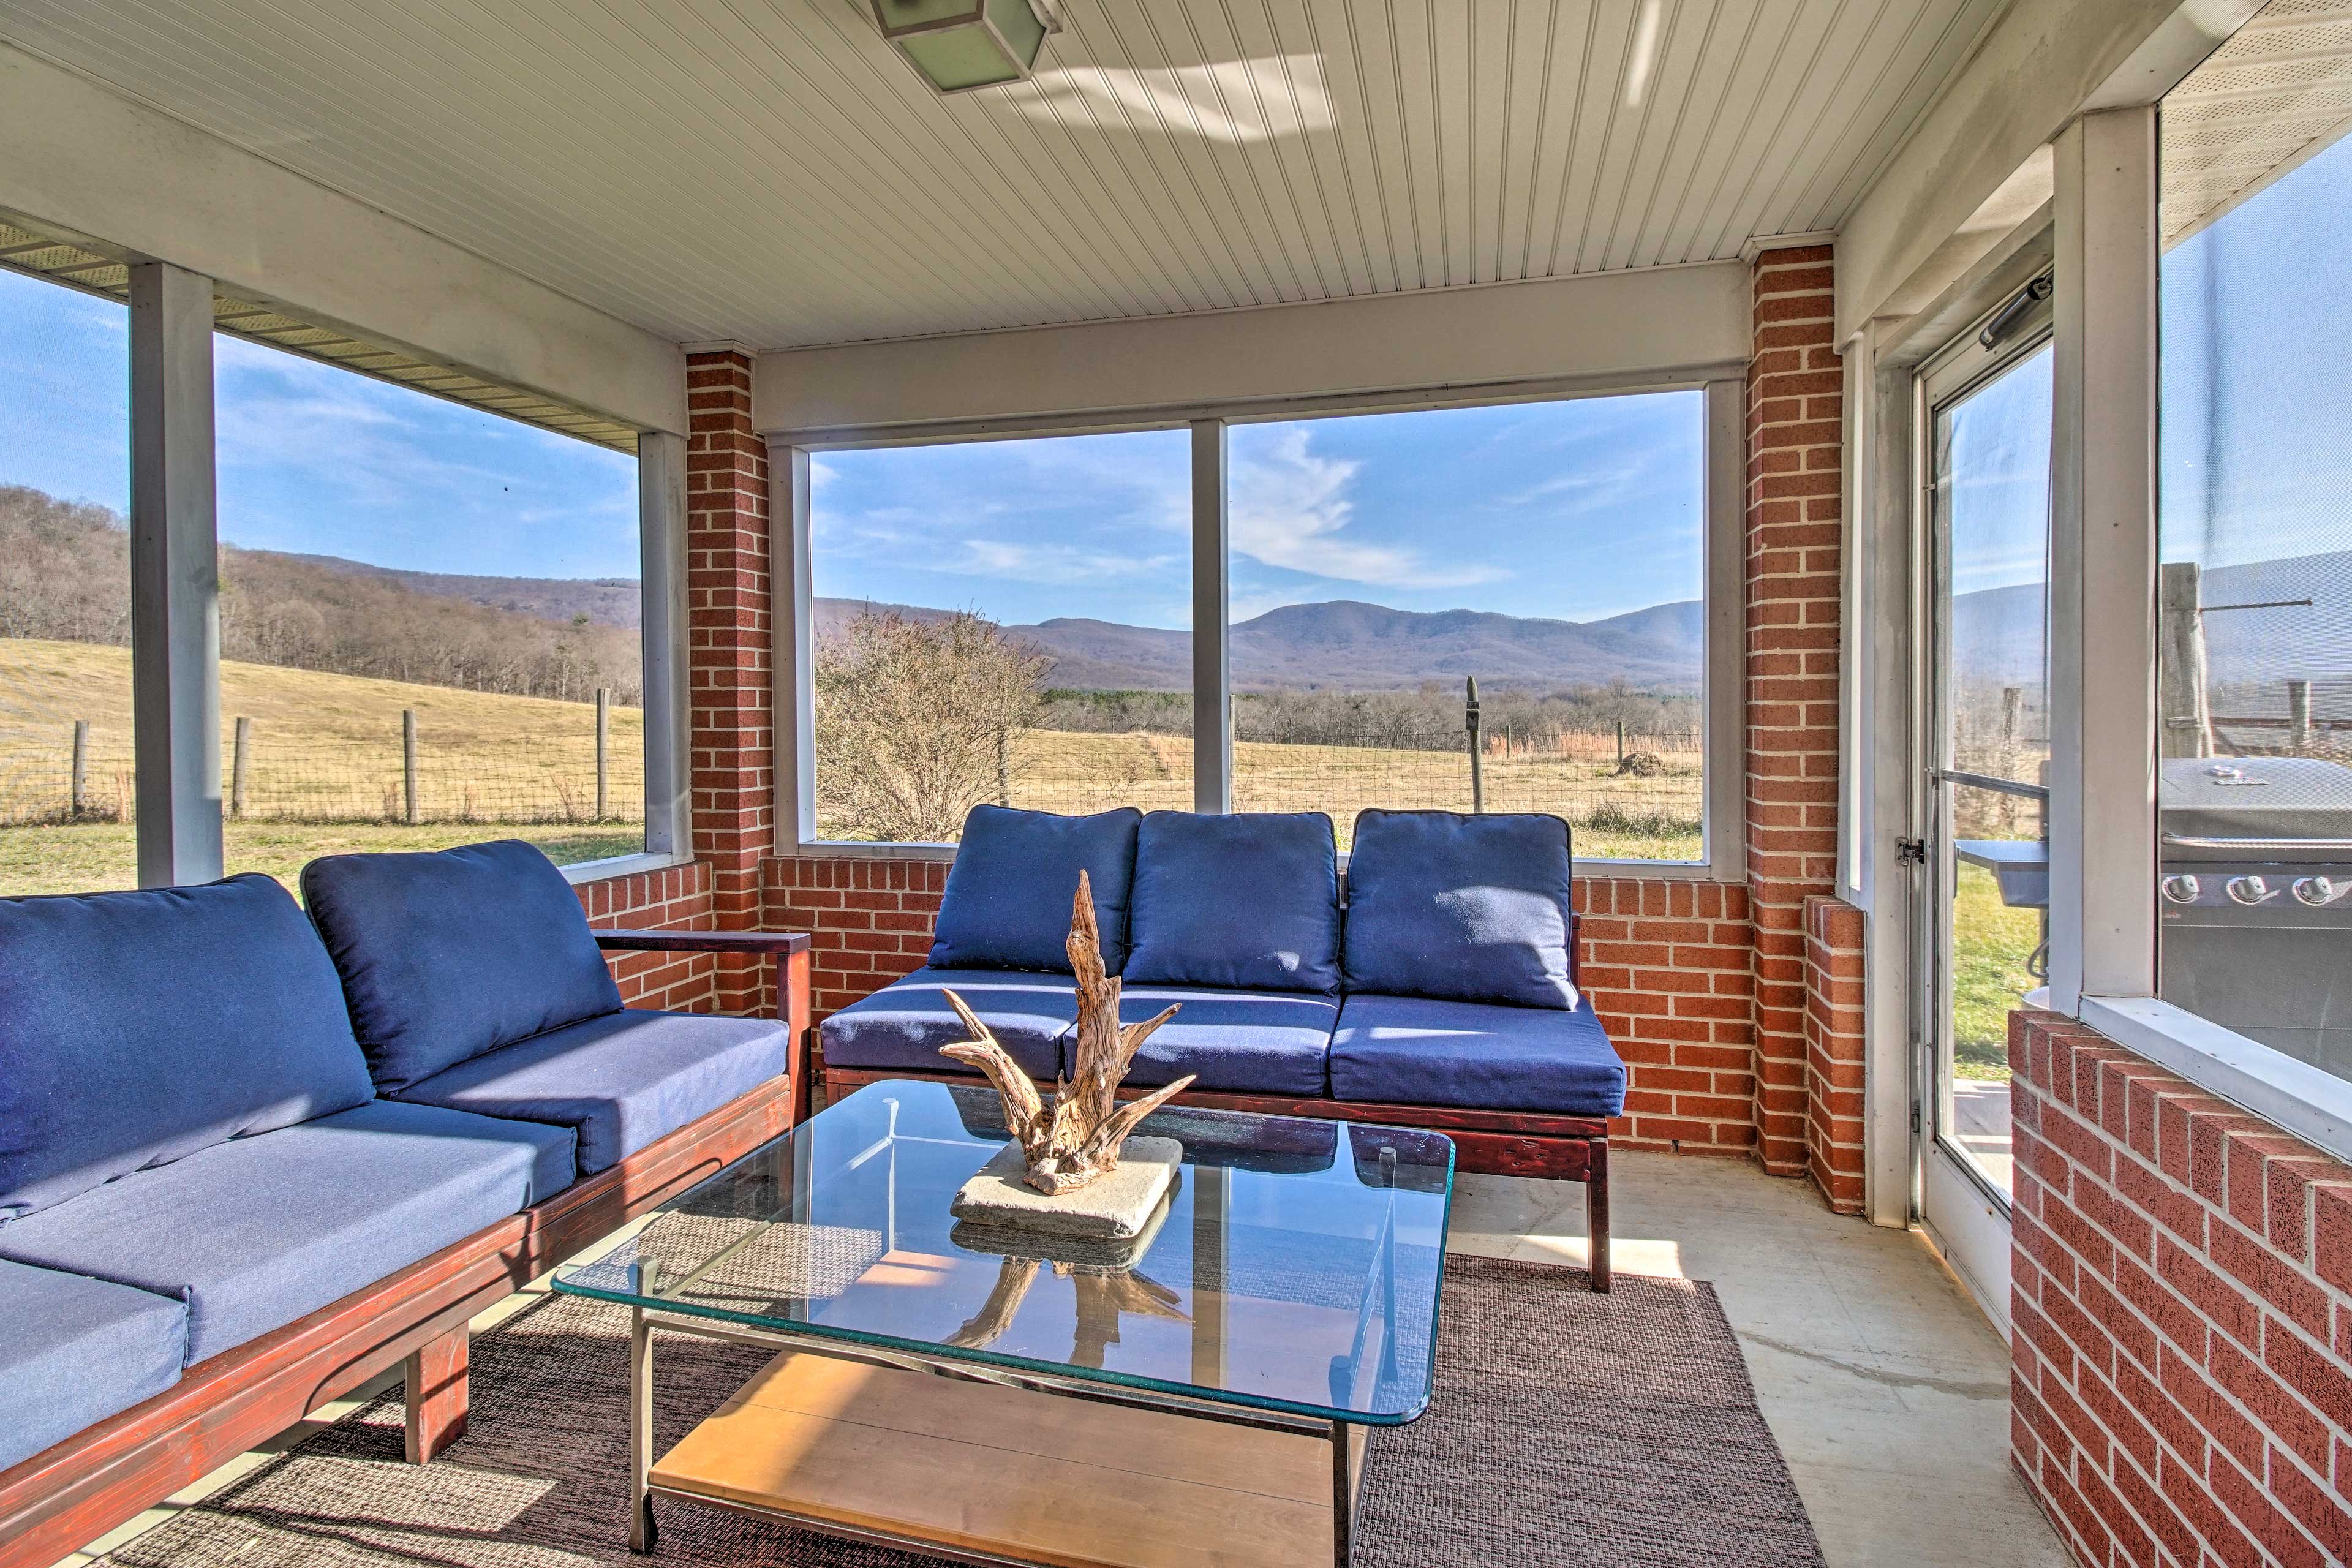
[1202,1394]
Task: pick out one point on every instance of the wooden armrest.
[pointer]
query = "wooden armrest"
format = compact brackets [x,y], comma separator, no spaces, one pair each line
[758,942]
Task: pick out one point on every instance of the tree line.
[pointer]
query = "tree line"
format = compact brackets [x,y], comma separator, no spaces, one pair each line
[65,576]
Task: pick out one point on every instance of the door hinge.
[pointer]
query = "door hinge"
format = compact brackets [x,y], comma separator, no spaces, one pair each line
[1910,852]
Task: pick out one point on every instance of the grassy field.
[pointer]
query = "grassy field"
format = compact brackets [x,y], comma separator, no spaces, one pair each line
[1990,944]
[323,746]
[324,773]
[1653,818]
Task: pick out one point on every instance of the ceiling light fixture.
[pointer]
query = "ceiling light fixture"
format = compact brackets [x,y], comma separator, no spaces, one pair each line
[960,46]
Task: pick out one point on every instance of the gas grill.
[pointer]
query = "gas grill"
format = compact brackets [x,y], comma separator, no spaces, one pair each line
[2255,893]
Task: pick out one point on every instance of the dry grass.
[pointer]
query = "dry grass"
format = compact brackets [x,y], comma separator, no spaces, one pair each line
[325,747]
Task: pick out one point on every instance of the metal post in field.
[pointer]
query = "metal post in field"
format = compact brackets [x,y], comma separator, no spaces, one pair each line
[238,756]
[604,741]
[80,768]
[408,764]
[2298,714]
[1470,723]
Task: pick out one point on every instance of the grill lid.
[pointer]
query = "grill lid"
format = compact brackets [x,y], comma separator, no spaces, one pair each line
[2237,808]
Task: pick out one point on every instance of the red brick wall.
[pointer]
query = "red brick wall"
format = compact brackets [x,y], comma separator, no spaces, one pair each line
[870,920]
[2183,1302]
[1795,484]
[1668,966]
[732,659]
[1833,1050]
[680,898]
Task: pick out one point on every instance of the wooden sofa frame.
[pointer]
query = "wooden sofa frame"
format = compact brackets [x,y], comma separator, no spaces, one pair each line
[1488,1143]
[70,1494]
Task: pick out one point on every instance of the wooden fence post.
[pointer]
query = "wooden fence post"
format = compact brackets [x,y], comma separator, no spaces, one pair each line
[2298,714]
[2184,718]
[1621,745]
[1477,745]
[80,768]
[242,751]
[408,763]
[603,736]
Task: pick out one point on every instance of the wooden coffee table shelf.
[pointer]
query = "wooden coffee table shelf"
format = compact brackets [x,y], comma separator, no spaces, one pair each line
[1003,1473]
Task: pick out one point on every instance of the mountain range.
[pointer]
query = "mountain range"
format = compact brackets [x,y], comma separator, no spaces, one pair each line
[1340,644]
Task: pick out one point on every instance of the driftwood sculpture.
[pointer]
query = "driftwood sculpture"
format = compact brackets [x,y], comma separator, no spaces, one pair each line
[1078,1140]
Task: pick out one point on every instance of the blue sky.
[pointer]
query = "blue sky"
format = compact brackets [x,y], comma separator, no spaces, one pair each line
[1568,510]
[314,458]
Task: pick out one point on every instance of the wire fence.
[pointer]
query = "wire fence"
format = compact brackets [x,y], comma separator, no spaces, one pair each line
[86,773]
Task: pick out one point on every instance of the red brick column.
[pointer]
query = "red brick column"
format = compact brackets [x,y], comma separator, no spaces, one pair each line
[1795,485]
[1833,1050]
[2181,1310]
[731,657]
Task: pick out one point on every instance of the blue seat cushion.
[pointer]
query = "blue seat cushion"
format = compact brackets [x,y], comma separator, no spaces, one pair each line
[136,1028]
[1415,1050]
[1007,903]
[447,956]
[1472,908]
[903,1026]
[619,1081]
[1239,1042]
[256,1233]
[77,1350]
[1187,926]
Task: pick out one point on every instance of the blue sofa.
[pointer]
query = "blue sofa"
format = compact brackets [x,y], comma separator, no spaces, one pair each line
[248,1157]
[1440,991]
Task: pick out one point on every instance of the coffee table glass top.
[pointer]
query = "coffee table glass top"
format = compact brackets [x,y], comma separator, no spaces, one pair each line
[1294,1267]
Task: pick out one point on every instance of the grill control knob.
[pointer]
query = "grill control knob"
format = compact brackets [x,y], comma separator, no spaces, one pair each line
[2181,890]
[2317,890]
[2249,889]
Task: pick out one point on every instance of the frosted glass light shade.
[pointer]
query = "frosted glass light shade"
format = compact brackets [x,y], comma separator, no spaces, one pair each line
[961,44]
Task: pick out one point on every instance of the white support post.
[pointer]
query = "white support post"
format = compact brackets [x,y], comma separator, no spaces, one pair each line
[175,578]
[795,649]
[661,550]
[1212,686]
[2103,562]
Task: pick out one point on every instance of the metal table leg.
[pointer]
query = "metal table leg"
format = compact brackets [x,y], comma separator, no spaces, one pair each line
[1346,1481]
[642,1529]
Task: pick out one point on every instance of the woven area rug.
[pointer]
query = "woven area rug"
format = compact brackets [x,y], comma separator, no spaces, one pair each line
[1568,1429]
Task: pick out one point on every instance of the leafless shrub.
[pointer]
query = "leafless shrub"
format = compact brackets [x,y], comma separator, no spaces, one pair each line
[913,722]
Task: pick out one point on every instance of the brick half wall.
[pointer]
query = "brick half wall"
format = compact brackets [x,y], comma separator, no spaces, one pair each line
[2181,1293]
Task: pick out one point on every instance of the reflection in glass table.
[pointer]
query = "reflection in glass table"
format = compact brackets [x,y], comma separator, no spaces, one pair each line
[1288,1286]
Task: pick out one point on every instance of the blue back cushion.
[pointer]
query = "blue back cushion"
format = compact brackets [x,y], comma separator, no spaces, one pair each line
[445,956]
[1470,907]
[1007,904]
[1249,901]
[136,1028]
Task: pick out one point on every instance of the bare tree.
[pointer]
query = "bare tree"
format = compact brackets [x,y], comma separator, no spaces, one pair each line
[912,718]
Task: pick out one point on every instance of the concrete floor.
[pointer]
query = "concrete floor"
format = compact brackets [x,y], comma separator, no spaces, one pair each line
[1888,1390]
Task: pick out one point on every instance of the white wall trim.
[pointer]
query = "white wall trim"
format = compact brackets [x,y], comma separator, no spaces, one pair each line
[2295,1096]
[78,157]
[2103,547]
[1674,322]
[582,872]
[668,680]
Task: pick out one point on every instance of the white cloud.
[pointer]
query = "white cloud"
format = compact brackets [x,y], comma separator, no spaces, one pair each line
[1292,508]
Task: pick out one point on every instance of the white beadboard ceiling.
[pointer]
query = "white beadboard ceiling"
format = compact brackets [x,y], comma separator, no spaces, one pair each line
[768,171]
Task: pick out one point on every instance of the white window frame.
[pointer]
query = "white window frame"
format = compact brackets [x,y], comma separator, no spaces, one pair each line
[2104,922]
[1724,857]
